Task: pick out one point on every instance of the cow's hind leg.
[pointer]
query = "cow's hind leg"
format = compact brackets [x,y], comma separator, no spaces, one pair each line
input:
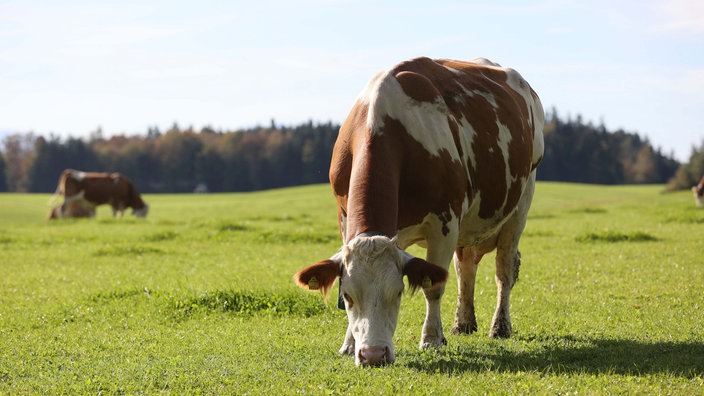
[508,260]
[507,264]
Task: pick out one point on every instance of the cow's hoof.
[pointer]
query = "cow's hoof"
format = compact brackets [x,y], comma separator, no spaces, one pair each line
[500,329]
[434,342]
[497,334]
[467,328]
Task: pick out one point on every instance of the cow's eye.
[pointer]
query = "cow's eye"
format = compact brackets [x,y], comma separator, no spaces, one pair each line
[348,299]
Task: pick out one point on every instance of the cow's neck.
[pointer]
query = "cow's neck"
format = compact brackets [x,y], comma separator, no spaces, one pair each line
[138,204]
[135,200]
[372,204]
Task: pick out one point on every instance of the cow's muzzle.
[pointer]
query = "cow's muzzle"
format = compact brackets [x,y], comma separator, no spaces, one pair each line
[375,356]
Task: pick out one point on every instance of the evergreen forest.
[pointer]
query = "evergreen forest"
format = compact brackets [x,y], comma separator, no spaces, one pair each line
[182,159]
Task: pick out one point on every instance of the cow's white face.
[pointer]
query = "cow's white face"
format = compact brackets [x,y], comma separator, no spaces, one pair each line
[141,212]
[372,286]
[371,270]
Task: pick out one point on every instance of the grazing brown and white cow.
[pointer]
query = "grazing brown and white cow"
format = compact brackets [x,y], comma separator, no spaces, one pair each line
[441,153]
[75,209]
[96,189]
[698,191]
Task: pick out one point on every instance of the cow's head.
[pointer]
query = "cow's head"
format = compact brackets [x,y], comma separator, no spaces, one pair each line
[371,270]
[142,212]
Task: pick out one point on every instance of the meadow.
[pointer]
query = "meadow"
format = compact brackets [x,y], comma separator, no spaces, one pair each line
[199,299]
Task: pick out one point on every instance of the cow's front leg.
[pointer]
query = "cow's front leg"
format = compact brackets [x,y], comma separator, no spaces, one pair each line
[432,335]
[440,251]
[466,263]
[347,347]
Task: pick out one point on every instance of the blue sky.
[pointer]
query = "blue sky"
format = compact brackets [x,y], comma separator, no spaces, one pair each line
[69,67]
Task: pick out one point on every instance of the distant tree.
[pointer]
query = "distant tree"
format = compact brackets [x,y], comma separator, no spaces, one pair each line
[153,133]
[276,163]
[210,166]
[176,154]
[688,174]
[210,169]
[96,135]
[644,165]
[316,150]
[236,172]
[579,152]
[130,156]
[3,180]
[53,156]
[19,155]
[254,176]
[43,168]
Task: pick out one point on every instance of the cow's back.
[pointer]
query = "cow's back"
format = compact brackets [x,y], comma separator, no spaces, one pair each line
[454,139]
[97,187]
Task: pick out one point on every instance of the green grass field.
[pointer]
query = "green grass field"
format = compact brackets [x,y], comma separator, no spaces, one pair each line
[199,299]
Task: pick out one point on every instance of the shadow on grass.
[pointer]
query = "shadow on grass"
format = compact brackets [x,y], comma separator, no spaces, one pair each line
[568,355]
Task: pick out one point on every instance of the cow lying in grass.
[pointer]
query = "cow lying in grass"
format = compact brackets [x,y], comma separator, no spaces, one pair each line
[75,209]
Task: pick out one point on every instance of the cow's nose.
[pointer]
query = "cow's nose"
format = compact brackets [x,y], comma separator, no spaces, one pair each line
[374,356]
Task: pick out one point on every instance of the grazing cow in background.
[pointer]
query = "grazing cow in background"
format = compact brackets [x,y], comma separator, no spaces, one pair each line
[698,191]
[100,188]
[75,209]
[441,153]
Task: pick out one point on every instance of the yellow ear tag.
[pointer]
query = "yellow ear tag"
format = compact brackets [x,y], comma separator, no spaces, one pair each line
[427,283]
[313,283]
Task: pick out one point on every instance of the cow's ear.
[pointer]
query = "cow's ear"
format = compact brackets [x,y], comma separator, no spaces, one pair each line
[320,276]
[423,274]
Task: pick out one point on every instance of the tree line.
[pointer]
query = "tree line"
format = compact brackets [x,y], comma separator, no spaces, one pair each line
[178,160]
[181,160]
[581,152]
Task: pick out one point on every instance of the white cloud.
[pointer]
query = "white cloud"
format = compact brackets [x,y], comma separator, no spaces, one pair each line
[680,15]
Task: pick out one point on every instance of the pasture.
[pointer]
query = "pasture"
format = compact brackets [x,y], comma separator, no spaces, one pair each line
[199,299]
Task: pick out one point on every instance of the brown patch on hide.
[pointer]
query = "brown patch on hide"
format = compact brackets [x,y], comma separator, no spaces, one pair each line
[385,180]
[417,87]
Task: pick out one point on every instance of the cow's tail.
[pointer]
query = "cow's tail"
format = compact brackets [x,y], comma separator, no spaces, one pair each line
[59,187]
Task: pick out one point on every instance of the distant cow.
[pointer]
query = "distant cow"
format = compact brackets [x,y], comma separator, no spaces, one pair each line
[75,209]
[100,188]
[698,191]
[440,153]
